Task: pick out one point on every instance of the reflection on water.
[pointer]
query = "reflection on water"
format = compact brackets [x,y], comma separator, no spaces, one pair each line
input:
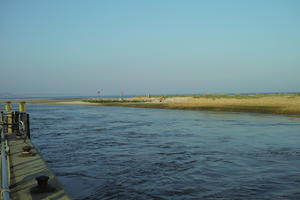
[131,153]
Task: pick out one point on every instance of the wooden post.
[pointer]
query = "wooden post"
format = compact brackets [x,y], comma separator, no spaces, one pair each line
[8,106]
[9,117]
[22,107]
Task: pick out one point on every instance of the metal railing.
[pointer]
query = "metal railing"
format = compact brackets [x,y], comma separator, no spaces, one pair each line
[4,168]
[11,122]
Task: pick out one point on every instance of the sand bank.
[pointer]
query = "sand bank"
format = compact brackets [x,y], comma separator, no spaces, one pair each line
[287,104]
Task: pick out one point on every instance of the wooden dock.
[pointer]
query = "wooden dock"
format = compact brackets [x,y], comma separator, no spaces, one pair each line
[24,173]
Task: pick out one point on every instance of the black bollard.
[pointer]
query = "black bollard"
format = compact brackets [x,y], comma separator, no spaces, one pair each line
[42,186]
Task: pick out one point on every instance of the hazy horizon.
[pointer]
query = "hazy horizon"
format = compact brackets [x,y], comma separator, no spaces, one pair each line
[75,48]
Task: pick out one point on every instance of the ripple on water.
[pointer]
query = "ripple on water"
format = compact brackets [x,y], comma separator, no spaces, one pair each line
[126,153]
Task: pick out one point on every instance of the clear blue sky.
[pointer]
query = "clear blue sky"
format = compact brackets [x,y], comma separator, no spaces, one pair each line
[149,46]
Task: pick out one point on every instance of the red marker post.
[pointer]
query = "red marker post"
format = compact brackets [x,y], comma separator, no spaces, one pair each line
[98,93]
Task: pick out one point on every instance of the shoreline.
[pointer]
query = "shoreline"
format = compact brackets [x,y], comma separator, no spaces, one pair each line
[284,104]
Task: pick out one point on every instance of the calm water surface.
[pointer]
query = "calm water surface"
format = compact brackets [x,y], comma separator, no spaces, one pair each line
[135,153]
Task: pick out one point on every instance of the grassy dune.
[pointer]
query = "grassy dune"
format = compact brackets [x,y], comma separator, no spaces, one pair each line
[259,103]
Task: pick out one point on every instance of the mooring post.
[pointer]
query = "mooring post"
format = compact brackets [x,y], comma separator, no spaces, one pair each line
[8,106]
[22,107]
[9,117]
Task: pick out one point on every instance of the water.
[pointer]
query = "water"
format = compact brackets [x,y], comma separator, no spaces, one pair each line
[135,153]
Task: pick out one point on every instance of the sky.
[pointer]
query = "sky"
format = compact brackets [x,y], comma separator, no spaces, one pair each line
[72,47]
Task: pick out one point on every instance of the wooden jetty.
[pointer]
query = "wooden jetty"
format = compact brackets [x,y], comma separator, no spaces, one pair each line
[24,173]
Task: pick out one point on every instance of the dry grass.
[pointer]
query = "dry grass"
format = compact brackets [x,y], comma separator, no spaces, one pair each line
[271,104]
